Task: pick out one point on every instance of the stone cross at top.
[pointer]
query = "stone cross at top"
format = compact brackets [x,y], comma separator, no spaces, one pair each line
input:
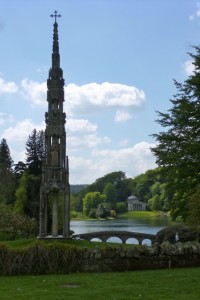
[55,15]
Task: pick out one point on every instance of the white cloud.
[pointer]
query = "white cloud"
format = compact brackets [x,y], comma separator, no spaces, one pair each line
[93,97]
[87,161]
[81,170]
[86,141]
[123,143]
[17,136]
[196,14]
[82,133]
[4,118]
[122,116]
[7,87]
[90,97]
[189,67]
[35,92]
[18,155]
[20,132]
[79,126]
[133,161]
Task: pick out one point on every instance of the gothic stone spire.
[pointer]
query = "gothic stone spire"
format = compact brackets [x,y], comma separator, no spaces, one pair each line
[55,53]
[55,179]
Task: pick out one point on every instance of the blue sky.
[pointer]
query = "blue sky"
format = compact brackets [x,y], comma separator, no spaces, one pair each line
[119,59]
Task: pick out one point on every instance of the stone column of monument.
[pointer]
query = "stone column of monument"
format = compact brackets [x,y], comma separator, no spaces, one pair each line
[55,177]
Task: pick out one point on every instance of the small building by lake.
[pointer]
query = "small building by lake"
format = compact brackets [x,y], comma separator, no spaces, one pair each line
[135,204]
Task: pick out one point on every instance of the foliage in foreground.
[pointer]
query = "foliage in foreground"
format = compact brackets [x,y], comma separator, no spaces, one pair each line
[173,284]
[14,225]
[38,258]
[177,149]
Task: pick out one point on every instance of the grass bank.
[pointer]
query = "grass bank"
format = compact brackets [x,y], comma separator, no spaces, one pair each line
[71,243]
[139,214]
[127,215]
[173,284]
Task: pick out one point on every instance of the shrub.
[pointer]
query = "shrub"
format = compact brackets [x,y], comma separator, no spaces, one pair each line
[185,233]
[92,213]
[113,213]
[13,225]
[73,214]
[37,259]
[121,207]
[103,210]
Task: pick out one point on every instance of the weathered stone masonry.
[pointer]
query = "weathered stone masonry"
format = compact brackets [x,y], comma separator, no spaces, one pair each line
[161,256]
[37,259]
[55,176]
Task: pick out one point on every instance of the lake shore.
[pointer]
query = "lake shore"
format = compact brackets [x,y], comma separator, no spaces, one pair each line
[127,215]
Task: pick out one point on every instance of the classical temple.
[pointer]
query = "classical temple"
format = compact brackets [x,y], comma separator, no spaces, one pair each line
[55,177]
[135,204]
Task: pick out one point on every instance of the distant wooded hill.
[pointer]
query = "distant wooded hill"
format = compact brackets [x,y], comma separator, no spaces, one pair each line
[76,188]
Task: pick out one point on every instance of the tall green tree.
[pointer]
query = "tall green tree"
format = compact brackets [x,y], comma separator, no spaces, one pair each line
[21,195]
[7,178]
[33,172]
[141,184]
[118,179]
[111,194]
[177,149]
[5,157]
[103,210]
[35,152]
[28,195]
[194,208]
[91,201]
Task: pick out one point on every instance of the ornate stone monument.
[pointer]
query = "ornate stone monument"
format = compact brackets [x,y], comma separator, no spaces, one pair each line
[55,177]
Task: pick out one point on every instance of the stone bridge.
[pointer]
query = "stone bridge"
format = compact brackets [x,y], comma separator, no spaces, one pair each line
[122,235]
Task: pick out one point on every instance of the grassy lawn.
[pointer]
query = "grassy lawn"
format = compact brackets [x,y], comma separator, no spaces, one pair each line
[127,215]
[177,284]
[138,214]
[73,243]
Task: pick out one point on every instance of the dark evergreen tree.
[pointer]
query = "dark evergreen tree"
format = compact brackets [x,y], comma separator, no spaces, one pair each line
[19,168]
[33,196]
[5,157]
[7,178]
[33,170]
[178,145]
[35,152]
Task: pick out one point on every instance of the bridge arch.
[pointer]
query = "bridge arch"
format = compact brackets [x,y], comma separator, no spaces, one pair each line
[105,236]
[147,242]
[132,241]
[96,240]
[114,239]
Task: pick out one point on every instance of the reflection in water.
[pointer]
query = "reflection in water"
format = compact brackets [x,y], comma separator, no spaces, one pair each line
[150,225]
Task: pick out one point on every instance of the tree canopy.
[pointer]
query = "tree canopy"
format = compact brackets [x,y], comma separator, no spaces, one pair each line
[5,158]
[178,146]
[91,201]
[7,178]
[35,152]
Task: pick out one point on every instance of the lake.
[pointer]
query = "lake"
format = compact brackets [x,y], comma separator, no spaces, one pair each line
[143,225]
